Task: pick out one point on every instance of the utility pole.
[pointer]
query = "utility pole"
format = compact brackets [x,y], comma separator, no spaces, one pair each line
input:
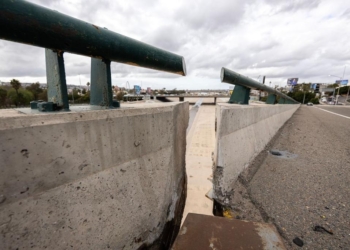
[263,82]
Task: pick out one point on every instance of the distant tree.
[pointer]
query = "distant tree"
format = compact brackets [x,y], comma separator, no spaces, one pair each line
[88,84]
[43,95]
[263,98]
[83,99]
[344,90]
[21,97]
[299,96]
[3,97]
[26,96]
[35,89]
[83,91]
[74,95]
[315,101]
[120,95]
[333,85]
[15,84]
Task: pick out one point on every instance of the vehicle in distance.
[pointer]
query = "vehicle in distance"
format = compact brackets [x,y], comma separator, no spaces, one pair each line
[310,104]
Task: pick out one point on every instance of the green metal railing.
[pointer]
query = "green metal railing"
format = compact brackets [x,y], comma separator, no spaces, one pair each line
[28,23]
[243,85]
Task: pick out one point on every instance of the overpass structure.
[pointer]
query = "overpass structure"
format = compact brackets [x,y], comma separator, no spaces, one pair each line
[165,98]
[116,178]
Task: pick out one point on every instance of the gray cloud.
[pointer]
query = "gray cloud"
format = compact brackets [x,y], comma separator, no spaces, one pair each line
[209,16]
[300,5]
[167,37]
[279,39]
[294,5]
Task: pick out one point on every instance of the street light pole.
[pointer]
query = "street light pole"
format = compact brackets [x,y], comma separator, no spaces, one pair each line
[304,93]
[336,101]
[341,78]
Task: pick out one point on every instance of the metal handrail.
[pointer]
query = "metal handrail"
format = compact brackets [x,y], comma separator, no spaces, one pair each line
[25,22]
[231,77]
[28,23]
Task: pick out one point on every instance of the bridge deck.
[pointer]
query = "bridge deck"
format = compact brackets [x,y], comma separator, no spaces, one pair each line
[310,187]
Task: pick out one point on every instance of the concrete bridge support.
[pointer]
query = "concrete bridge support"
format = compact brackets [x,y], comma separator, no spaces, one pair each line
[93,179]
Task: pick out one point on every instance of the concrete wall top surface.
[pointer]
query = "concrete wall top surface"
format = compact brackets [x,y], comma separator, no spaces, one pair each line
[13,118]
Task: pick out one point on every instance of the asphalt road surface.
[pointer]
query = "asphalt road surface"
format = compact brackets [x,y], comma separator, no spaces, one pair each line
[341,110]
[310,187]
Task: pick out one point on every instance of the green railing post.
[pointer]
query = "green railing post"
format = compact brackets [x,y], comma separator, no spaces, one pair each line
[271,99]
[56,79]
[240,95]
[244,84]
[101,84]
[282,100]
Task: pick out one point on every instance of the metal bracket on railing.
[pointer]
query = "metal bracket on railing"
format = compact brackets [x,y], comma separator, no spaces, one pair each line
[57,95]
[271,99]
[56,80]
[240,95]
[101,84]
[244,84]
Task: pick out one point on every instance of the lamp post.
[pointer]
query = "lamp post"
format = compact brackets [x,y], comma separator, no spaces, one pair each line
[341,78]
[336,101]
[304,93]
[347,95]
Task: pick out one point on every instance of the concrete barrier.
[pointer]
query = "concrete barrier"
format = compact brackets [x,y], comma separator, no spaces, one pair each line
[242,132]
[93,180]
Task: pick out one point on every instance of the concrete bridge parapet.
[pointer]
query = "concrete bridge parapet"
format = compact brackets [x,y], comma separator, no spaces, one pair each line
[93,180]
[242,133]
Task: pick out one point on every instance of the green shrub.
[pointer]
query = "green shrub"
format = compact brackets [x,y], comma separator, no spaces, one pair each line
[120,96]
[315,101]
[23,98]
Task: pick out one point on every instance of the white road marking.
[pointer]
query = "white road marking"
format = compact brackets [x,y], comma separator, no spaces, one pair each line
[334,113]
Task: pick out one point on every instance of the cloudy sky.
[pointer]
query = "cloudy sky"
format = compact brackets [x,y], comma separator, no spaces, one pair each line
[308,39]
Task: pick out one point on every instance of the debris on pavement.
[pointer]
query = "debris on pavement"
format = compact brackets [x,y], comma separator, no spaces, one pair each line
[322,229]
[210,194]
[297,241]
[228,213]
[282,154]
[273,152]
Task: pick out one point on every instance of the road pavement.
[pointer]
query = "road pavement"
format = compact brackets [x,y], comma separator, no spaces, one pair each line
[308,185]
[341,110]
